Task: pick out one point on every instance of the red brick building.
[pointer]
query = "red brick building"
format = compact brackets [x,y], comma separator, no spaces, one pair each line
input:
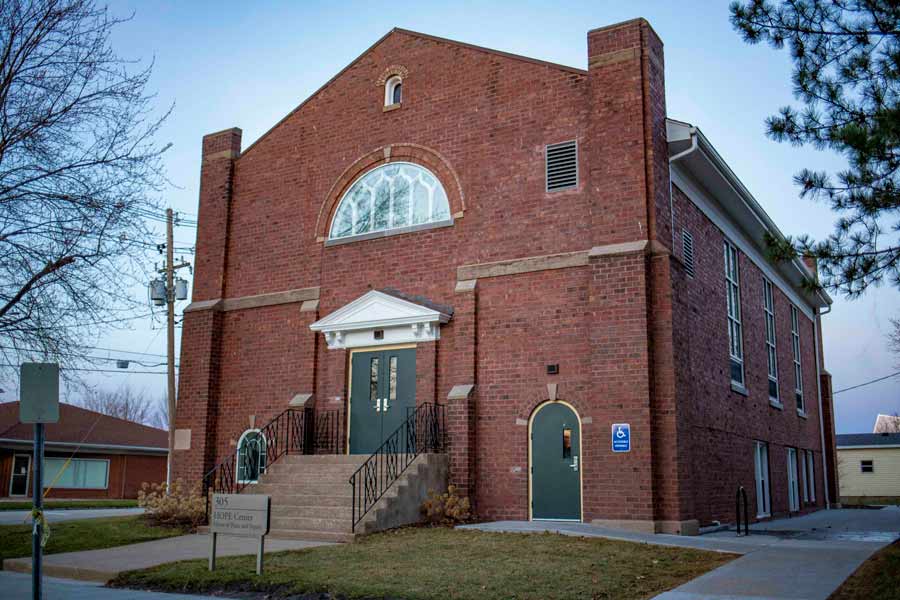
[87,455]
[531,236]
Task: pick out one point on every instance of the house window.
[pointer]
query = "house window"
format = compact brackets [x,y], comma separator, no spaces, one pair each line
[761,463]
[733,294]
[804,477]
[395,196]
[866,466]
[393,91]
[78,473]
[795,346]
[771,353]
[251,456]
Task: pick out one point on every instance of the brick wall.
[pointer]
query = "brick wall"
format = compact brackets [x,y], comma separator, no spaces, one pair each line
[720,423]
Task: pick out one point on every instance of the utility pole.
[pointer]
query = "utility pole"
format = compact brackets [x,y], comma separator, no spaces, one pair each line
[170,335]
[172,293]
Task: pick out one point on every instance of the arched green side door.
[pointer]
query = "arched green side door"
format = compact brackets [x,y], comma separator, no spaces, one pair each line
[555,463]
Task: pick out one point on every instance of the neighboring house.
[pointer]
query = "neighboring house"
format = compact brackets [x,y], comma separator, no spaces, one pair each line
[539,249]
[86,455]
[887,424]
[869,468]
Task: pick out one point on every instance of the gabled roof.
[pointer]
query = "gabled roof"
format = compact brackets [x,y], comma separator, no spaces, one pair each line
[425,36]
[377,309]
[81,426]
[868,440]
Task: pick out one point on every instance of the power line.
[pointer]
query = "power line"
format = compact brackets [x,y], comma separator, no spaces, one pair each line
[124,371]
[853,387]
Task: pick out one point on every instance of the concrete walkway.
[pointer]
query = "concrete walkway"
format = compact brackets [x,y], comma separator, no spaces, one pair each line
[103,565]
[23,517]
[17,586]
[803,558]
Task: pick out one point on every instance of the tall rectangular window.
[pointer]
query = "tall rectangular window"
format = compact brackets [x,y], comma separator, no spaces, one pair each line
[804,477]
[771,352]
[811,475]
[733,295]
[798,368]
[761,464]
[793,481]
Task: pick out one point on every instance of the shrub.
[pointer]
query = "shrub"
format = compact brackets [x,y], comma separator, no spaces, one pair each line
[447,508]
[180,507]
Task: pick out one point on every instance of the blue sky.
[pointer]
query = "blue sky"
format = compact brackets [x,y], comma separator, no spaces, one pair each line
[247,64]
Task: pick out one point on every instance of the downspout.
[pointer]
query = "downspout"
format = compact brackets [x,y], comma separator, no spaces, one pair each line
[672,159]
[816,325]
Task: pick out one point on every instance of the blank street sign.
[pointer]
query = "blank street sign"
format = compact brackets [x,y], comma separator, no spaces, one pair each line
[39,391]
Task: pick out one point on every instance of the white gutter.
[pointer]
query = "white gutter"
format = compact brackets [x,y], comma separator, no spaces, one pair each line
[816,325]
[694,145]
[152,449]
[868,447]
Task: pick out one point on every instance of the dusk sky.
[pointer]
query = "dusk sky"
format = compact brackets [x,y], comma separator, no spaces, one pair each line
[247,64]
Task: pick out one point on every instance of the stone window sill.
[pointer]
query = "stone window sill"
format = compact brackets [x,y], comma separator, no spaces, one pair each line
[391,107]
[802,414]
[776,404]
[736,387]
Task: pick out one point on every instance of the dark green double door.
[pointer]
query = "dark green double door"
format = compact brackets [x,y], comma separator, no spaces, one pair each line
[555,466]
[382,395]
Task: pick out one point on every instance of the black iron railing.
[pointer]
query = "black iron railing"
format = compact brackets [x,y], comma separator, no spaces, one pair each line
[739,502]
[294,431]
[423,431]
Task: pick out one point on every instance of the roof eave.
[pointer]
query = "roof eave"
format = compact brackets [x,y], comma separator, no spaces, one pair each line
[679,134]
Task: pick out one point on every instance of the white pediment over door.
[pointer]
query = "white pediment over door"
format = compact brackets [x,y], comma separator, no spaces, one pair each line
[377,318]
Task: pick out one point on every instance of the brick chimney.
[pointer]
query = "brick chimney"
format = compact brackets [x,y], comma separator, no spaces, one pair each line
[629,154]
[220,150]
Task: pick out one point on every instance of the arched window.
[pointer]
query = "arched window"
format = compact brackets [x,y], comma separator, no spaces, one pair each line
[393,90]
[393,196]
[251,456]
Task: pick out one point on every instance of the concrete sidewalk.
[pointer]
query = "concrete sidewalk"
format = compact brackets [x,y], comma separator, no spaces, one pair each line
[802,558]
[17,586]
[103,565]
[58,515]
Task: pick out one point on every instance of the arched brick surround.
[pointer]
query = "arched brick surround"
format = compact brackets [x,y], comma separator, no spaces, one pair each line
[413,153]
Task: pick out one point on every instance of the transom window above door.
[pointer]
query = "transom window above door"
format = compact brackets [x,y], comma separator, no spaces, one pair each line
[395,197]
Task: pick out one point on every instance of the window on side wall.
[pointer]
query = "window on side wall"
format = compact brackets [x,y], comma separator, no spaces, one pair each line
[867,466]
[735,332]
[771,350]
[798,367]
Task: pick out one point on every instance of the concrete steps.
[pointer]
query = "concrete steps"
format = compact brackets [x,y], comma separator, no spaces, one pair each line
[312,498]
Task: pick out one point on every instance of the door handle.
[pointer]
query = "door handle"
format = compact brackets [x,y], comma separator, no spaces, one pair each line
[385,405]
[574,465]
[377,404]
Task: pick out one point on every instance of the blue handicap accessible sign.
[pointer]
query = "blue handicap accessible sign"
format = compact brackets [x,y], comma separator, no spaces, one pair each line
[621,437]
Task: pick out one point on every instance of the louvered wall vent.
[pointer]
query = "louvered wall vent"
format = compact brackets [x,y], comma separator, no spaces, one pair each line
[562,166]
[687,245]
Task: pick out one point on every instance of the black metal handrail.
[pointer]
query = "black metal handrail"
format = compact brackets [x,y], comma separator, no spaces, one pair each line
[741,498]
[423,431]
[294,431]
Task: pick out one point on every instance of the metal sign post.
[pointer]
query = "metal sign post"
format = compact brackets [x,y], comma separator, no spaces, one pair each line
[39,404]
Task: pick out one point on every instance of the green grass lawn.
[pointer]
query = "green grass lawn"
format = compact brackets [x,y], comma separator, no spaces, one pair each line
[87,534]
[58,504]
[438,564]
[876,579]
